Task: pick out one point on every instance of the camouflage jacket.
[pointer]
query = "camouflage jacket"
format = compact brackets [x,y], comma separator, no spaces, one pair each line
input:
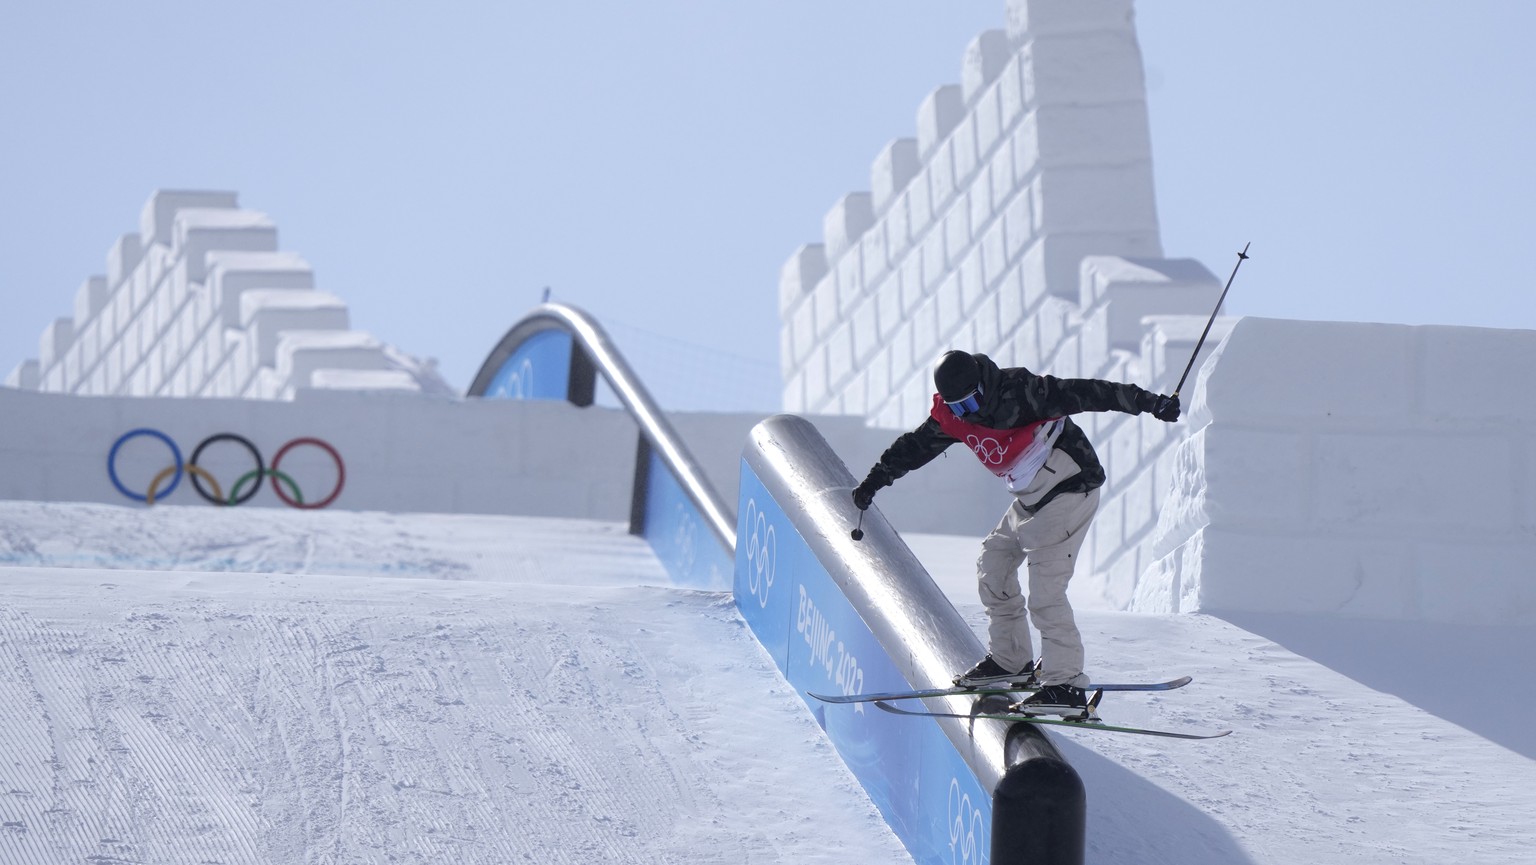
[1013,398]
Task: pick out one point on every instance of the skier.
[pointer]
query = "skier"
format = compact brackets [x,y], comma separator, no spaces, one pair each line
[1017,423]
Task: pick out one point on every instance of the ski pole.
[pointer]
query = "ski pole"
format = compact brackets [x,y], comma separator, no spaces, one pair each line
[1241,256]
[858,532]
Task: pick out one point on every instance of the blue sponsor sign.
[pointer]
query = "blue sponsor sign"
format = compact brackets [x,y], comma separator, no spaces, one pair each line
[678,534]
[539,369]
[924,788]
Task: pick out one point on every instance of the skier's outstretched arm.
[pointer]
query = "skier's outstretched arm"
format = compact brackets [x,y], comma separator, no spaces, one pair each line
[910,451]
[1049,396]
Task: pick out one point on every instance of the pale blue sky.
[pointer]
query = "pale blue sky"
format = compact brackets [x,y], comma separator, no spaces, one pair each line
[656,163]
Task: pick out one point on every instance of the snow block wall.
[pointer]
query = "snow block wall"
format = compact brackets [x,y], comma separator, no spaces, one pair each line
[201,302]
[974,232]
[402,451]
[1361,470]
[1020,221]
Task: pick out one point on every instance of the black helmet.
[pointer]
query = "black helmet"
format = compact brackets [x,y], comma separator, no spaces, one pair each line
[957,376]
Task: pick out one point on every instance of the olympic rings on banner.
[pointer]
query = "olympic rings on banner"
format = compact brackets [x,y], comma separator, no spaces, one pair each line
[238,494]
[218,496]
[256,474]
[112,461]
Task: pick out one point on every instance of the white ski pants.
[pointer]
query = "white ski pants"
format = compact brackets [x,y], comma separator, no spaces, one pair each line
[1049,540]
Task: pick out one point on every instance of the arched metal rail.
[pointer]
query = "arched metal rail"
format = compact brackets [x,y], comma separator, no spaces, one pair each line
[598,350]
[1038,810]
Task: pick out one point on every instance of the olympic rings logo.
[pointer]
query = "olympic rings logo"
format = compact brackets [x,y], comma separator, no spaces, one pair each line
[238,494]
[517,384]
[989,449]
[967,829]
[762,551]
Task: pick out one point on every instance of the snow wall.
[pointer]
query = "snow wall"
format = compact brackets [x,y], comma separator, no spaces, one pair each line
[201,302]
[403,452]
[1386,467]
[1020,221]
[1359,470]
[974,230]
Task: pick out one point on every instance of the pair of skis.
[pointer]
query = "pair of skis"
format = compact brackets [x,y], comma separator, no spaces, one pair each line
[1089,720]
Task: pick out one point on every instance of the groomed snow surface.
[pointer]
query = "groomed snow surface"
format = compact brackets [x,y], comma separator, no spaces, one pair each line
[190,685]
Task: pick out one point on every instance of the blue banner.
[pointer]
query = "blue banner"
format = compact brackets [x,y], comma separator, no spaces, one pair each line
[913,773]
[679,535]
[539,369]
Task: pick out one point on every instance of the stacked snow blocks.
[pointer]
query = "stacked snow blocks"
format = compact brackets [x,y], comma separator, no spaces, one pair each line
[1360,470]
[974,233]
[200,302]
[1121,337]
[1019,222]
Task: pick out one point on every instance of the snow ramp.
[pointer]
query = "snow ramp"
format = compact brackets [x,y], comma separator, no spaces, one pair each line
[276,686]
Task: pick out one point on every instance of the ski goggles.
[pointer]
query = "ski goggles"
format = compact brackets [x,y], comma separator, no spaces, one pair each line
[965,405]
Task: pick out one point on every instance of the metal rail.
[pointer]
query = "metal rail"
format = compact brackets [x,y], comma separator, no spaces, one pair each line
[1039,810]
[607,360]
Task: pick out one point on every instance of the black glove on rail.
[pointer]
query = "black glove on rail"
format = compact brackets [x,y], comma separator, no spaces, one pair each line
[864,494]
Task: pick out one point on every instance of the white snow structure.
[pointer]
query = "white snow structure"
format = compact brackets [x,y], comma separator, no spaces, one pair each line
[1003,227]
[201,302]
[1359,470]
[1020,222]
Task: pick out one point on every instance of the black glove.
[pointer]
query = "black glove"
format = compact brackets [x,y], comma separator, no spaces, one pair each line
[1164,408]
[864,494]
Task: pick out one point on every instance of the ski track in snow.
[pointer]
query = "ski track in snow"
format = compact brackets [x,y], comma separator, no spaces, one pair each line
[228,717]
[404,688]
